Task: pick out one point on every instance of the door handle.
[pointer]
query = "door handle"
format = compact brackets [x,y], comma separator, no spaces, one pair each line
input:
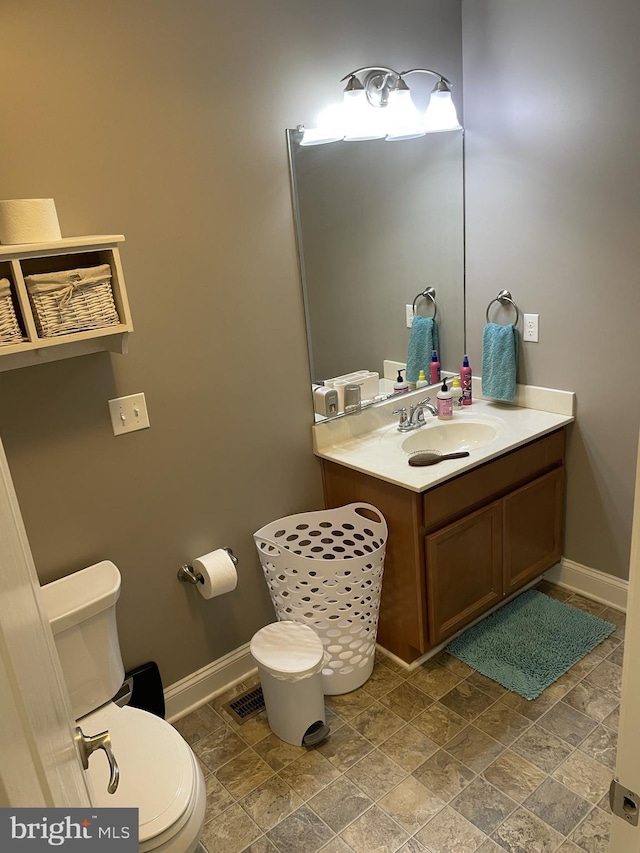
[87,744]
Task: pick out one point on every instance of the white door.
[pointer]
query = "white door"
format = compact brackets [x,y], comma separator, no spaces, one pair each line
[625,838]
[39,764]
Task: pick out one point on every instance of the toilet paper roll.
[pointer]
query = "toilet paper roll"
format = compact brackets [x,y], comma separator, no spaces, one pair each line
[218,573]
[28,220]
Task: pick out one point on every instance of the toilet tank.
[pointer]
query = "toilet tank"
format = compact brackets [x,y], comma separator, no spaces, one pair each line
[82,613]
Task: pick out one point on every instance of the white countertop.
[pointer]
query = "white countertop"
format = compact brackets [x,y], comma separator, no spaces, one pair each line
[371,443]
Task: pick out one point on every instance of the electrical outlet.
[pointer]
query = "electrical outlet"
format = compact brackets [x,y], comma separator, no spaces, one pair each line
[409,315]
[531,327]
[128,413]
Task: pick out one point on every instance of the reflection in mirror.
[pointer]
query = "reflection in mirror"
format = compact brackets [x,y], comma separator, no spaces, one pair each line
[378,223]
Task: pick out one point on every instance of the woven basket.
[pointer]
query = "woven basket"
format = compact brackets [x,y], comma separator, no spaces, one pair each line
[72,301]
[10,331]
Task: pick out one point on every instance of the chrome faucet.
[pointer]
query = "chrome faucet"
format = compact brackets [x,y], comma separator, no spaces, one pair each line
[415,418]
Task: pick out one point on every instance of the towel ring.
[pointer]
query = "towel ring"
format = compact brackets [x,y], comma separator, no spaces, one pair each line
[427,293]
[504,298]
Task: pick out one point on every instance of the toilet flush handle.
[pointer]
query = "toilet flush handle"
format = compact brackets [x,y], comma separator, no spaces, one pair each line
[89,744]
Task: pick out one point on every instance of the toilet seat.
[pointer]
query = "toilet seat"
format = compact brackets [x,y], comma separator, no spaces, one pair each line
[158,772]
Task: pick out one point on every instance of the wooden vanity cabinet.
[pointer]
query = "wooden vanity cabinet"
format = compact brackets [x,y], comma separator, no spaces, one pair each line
[460,548]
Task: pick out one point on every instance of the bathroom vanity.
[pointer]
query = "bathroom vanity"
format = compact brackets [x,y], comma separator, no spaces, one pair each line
[464,534]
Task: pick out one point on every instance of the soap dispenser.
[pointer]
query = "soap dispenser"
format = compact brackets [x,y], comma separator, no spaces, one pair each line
[445,402]
[422,380]
[400,385]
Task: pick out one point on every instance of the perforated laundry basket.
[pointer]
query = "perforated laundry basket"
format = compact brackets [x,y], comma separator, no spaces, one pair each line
[325,569]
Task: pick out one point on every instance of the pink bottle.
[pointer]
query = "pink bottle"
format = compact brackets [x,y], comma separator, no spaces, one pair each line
[434,368]
[465,381]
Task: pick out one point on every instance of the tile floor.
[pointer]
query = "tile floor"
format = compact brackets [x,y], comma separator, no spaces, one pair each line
[440,759]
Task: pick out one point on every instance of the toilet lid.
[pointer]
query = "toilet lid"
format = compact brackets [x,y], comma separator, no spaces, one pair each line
[156,767]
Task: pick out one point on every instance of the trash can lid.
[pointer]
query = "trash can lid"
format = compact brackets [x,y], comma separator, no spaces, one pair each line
[288,648]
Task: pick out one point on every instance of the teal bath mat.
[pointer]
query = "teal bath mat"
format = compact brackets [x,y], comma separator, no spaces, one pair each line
[529,643]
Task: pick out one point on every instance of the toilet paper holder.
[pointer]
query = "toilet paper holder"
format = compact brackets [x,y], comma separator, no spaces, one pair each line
[187,574]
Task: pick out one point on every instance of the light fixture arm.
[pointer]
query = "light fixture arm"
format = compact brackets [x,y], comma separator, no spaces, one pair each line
[441,77]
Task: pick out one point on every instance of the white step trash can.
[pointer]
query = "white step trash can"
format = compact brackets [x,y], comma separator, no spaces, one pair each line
[290,657]
[324,569]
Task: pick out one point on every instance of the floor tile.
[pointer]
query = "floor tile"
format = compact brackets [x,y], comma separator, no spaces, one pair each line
[305,824]
[617,617]
[337,845]
[260,845]
[409,747]
[586,604]
[523,832]
[606,675]
[474,748]
[601,745]
[613,720]
[592,835]
[270,803]
[345,747]
[232,831]
[377,723]
[570,847]
[411,804]
[376,774]
[450,832]
[349,705]
[531,709]
[483,805]
[444,775]
[433,680]
[502,723]
[309,774]
[276,753]
[557,806]
[382,681]
[221,746]
[467,701]
[541,748]
[244,773]
[585,776]
[514,776]
[218,798]
[199,723]
[487,685]
[406,701]
[439,723]
[374,832]
[455,665]
[591,700]
[340,803]
[566,723]
[617,655]
[412,846]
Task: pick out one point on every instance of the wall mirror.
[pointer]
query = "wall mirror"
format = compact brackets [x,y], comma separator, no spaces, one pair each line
[377,223]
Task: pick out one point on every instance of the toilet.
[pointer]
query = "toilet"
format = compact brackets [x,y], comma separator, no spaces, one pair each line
[159,774]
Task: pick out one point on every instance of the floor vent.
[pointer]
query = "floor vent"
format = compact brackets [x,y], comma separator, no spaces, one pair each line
[245,706]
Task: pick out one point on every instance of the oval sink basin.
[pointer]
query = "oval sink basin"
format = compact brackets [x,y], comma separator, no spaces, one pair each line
[450,437]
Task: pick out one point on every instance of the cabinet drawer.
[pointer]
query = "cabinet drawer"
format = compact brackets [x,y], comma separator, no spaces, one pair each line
[490,481]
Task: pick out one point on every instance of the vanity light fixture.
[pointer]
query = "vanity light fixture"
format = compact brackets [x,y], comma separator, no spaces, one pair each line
[377,104]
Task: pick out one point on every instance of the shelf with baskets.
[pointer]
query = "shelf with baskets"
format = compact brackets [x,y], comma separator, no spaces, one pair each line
[62,299]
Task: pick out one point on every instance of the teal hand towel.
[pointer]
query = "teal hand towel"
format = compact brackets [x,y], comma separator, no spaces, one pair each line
[499,361]
[423,339]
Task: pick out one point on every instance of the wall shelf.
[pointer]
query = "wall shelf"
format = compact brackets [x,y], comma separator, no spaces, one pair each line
[18,261]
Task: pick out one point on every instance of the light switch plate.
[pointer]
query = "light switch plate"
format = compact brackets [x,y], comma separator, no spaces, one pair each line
[128,413]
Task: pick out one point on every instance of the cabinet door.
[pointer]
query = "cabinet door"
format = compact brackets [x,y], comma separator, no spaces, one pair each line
[464,570]
[532,529]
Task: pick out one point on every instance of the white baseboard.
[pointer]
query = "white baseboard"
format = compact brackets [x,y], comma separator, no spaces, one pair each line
[590,582]
[203,685]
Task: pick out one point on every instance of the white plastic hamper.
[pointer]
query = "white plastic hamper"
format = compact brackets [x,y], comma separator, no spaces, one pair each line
[324,569]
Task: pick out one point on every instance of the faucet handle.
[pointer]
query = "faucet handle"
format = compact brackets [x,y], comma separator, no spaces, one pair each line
[403,415]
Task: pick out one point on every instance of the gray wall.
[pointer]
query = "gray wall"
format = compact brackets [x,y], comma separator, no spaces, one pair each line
[553,214]
[165,121]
